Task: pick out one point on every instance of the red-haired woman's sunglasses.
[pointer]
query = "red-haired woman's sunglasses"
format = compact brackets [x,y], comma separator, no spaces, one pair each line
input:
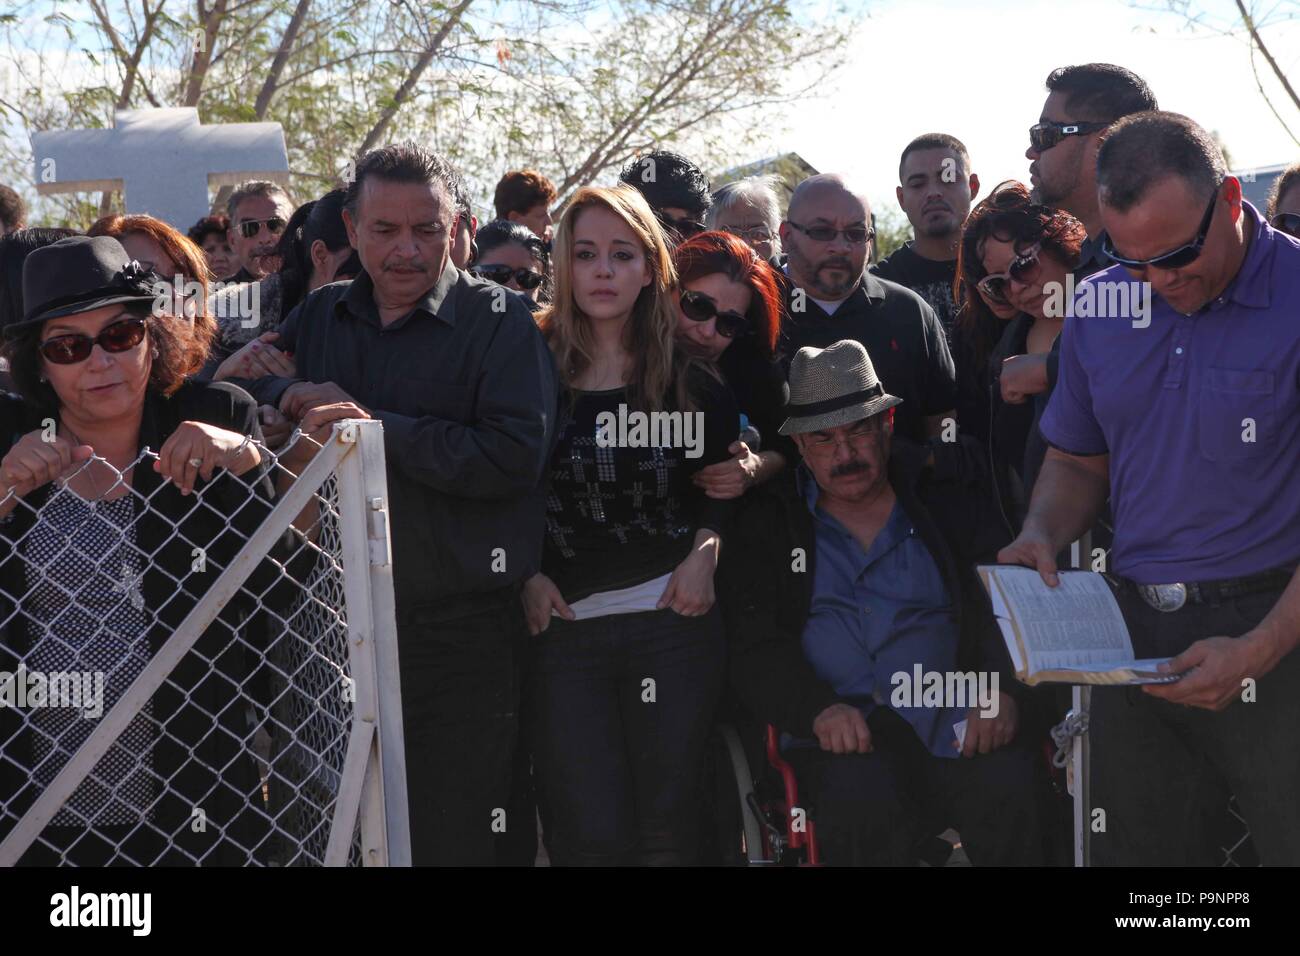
[73,348]
[698,307]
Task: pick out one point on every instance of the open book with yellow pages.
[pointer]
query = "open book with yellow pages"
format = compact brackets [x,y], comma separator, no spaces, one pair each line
[1070,634]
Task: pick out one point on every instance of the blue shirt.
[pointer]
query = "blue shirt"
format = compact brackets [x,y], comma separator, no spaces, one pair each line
[1175,405]
[879,612]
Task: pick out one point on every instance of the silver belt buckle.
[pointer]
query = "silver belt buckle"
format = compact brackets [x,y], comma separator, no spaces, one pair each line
[1164,597]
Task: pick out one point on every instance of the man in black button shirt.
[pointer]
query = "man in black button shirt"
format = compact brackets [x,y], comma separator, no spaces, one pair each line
[828,296]
[466,388]
[935,191]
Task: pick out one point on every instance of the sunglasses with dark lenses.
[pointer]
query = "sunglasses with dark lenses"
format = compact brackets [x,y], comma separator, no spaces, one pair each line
[251,227]
[995,286]
[854,234]
[698,307]
[73,348]
[502,274]
[683,227]
[1288,222]
[1043,136]
[1182,256]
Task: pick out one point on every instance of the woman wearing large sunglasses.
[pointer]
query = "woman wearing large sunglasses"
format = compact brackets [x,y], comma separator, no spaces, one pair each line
[98,561]
[1021,253]
[728,314]
[509,254]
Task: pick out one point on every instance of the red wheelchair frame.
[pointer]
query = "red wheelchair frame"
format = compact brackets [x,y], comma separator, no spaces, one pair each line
[777,828]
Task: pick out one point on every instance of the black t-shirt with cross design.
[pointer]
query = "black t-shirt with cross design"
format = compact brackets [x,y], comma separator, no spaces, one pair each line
[620,511]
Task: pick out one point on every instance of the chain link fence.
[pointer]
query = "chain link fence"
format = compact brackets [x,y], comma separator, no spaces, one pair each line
[203,679]
[1075,754]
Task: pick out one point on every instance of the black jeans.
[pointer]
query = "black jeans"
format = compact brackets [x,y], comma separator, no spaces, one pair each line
[619,711]
[1162,772]
[460,722]
[873,809]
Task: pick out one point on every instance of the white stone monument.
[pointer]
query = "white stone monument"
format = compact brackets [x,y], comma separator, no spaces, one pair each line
[163,159]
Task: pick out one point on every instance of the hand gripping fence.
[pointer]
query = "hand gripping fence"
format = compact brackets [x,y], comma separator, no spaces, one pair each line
[207,679]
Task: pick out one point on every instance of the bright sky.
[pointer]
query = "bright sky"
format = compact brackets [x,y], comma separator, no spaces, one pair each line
[917,66]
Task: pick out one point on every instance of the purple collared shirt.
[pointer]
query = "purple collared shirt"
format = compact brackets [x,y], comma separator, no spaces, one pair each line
[1200,416]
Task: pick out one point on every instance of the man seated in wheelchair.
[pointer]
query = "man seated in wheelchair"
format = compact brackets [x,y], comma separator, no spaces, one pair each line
[858,628]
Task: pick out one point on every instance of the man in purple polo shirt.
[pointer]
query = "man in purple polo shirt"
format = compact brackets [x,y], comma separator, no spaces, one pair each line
[1187,412]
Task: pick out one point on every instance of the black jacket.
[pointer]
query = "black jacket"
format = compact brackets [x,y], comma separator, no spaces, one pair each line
[1014,444]
[467,391]
[204,703]
[765,601]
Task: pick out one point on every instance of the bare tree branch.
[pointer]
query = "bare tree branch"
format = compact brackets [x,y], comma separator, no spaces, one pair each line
[281,58]
[203,56]
[1258,41]
[404,91]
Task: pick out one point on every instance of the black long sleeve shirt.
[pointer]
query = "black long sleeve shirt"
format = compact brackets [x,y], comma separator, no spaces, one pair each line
[621,513]
[466,389]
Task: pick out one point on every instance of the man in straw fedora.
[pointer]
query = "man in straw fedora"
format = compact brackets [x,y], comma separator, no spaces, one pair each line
[848,578]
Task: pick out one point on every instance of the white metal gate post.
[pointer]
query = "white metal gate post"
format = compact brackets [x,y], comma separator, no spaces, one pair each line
[368,583]
[1080,701]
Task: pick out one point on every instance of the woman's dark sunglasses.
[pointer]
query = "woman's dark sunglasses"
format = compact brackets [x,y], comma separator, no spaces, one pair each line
[1288,222]
[698,307]
[1043,136]
[502,274]
[1182,256]
[71,349]
[995,286]
[251,227]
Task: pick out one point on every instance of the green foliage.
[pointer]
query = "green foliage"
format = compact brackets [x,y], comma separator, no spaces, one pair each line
[572,87]
[892,228]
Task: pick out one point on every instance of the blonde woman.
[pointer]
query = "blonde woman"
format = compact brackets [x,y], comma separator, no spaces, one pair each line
[627,656]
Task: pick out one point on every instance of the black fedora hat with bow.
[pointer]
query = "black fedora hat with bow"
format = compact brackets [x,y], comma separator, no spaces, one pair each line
[79,274]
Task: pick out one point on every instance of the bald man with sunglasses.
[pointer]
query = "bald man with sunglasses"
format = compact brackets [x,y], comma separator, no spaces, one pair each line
[828,296]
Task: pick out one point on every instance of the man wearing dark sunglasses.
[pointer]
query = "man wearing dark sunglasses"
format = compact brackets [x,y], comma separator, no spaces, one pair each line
[1082,102]
[676,189]
[258,212]
[827,296]
[1190,421]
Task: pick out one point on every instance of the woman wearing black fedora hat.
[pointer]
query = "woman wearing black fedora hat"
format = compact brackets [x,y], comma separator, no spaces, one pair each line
[97,562]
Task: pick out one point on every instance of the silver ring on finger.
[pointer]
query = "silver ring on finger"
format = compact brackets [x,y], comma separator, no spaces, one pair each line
[195,462]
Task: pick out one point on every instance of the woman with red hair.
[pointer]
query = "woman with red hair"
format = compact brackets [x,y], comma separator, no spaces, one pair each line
[729,314]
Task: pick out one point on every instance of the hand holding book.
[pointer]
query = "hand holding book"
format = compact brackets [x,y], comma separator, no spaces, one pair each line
[1071,633]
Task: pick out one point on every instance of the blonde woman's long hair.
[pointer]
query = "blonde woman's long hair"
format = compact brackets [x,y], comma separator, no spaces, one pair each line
[659,368]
